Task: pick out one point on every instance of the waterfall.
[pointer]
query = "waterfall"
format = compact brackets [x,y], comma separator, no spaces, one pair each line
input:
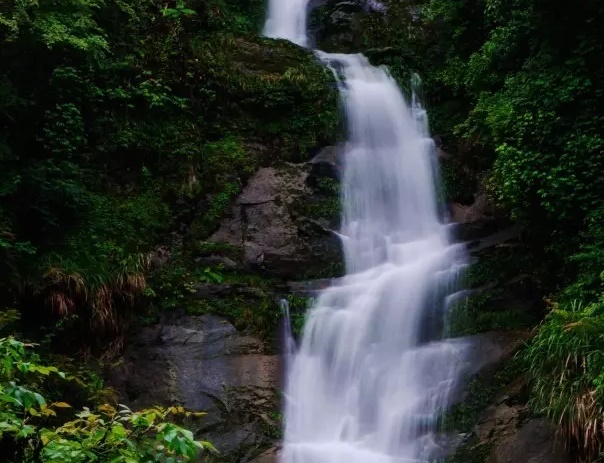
[373,373]
[287,20]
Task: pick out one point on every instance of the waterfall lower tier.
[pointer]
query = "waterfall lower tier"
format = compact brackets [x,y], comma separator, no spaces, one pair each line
[372,374]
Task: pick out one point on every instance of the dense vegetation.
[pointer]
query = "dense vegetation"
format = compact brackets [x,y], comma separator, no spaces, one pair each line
[121,122]
[526,81]
[126,125]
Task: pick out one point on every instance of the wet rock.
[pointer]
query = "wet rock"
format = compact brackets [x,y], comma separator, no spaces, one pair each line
[441,154]
[160,257]
[480,209]
[217,260]
[507,432]
[495,239]
[530,442]
[326,163]
[273,235]
[514,436]
[205,364]
[270,456]
[308,288]
[206,290]
[491,348]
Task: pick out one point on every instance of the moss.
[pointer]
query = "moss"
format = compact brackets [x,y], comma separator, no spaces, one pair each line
[471,451]
[335,269]
[207,220]
[324,203]
[298,308]
[479,394]
[207,248]
[250,280]
[279,94]
[506,286]
[320,208]
[478,313]
[260,314]
[462,417]
[458,184]
[501,264]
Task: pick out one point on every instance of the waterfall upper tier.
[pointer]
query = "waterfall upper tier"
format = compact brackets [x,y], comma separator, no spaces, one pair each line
[287,20]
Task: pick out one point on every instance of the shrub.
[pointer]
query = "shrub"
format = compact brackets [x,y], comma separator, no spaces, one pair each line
[566,366]
[33,429]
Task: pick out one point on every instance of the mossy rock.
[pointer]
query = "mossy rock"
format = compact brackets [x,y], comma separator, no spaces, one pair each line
[278,223]
[280,96]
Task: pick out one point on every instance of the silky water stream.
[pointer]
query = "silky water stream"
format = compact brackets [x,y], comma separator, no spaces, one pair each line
[373,373]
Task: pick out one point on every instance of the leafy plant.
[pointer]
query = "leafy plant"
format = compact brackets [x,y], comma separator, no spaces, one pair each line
[35,430]
[566,366]
[211,276]
[179,10]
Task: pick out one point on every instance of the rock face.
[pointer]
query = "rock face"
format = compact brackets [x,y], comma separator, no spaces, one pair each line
[270,226]
[204,364]
[506,431]
[491,348]
[513,437]
[335,23]
[478,210]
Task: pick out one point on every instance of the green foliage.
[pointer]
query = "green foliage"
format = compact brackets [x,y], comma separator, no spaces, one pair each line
[566,366]
[241,16]
[209,275]
[171,284]
[179,10]
[325,203]
[33,429]
[474,314]
[298,308]
[588,262]
[458,184]
[259,313]
[120,120]
[529,96]
[565,359]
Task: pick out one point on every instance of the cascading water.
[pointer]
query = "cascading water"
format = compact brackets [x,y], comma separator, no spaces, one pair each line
[287,20]
[372,375]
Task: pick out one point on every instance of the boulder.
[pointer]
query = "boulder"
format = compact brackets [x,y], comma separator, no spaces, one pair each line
[480,209]
[309,288]
[514,436]
[204,364]
[507,432]
[335,23]
[269,227]
[491,348]
[326,163]
[270,456]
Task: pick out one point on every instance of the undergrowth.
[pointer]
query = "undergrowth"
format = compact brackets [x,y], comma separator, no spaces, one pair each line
[565,360]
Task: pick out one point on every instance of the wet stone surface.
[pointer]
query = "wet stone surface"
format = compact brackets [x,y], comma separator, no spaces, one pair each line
[203,363]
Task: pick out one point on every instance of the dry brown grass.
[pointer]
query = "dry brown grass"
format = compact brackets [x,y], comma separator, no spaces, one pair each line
[102,300]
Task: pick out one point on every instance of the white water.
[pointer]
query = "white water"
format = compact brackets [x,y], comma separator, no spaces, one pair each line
[287,20]
[372,374]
